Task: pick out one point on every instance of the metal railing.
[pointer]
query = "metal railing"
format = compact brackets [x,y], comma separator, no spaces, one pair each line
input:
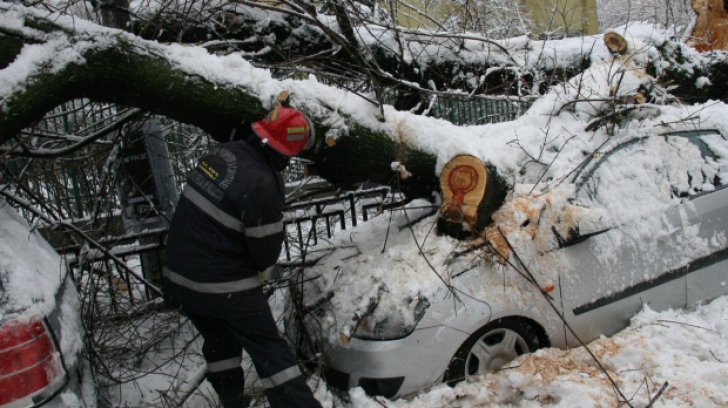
[74,188]
[307,222]
[462,110]
[76,117]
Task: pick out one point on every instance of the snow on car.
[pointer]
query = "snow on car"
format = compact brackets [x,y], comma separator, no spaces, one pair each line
[600,221]
[402,317]
[41,337]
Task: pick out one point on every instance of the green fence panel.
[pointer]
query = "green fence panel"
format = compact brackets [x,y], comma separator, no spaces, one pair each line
[464,110]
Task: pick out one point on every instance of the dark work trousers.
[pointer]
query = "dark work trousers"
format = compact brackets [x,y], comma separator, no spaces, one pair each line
[224,341]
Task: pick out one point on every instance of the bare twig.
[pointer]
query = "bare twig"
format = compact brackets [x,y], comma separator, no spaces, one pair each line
[687,324]
[69,226]
[524,271]
[658,395]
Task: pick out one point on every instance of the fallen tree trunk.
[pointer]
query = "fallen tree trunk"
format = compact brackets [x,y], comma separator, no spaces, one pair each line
[218,93]
[342,43]
[116,69]
[183,84]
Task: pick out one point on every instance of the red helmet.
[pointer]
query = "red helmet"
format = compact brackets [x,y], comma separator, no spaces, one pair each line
[286,130]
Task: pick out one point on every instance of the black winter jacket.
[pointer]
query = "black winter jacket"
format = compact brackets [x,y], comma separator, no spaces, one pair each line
[227,227]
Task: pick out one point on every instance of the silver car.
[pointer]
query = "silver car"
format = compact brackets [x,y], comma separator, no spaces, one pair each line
[41,336]
[595,274]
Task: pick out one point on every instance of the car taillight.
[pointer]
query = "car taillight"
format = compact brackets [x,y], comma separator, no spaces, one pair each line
[29,363]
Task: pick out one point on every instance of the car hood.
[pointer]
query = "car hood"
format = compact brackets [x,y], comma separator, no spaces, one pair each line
[382,268]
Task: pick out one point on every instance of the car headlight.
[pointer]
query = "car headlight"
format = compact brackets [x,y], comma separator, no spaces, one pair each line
[394,326]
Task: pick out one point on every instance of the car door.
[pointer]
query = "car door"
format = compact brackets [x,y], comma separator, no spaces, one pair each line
[667,258]
[707,274]
[612,275]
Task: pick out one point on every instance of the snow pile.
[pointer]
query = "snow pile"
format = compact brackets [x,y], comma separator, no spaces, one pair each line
[30,269]
[685,349]
[384,261]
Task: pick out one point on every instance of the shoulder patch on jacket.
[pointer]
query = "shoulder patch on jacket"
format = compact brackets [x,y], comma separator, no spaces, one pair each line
[231,167]
[215,172]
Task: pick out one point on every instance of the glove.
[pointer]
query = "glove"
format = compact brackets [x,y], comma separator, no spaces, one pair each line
[271,273]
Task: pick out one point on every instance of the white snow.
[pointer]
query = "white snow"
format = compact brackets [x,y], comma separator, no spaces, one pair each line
[538,155]
[30,270]
[686,349]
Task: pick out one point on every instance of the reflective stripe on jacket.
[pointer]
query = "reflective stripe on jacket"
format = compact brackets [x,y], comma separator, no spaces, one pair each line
[227,227]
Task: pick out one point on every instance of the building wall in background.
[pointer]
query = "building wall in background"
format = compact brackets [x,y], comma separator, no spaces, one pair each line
[569,17]
[501,18]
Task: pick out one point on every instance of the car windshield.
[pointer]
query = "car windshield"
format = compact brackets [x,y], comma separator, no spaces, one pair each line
[672,166]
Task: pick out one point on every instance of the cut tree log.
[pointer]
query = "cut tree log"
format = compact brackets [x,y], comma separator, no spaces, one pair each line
[615,42]
[471,192]
[711,27]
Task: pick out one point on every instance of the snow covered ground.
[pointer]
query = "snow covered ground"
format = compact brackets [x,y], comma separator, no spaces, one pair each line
[687,349]
[683,349]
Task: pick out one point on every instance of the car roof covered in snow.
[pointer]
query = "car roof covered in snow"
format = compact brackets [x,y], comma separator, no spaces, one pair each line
[31,271]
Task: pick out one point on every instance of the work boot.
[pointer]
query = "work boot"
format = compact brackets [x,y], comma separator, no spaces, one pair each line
[235,399]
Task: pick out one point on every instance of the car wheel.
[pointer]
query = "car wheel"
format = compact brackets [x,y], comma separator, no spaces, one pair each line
[491,347]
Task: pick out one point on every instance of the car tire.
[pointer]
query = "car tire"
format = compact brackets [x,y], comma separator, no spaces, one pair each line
[492,346]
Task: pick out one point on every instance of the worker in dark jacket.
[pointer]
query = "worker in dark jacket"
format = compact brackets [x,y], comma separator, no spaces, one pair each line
[228,227]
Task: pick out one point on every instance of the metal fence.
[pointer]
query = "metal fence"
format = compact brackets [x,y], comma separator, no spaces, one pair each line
[307,222]
[462,110]
[83,184]
[79,116]
[471,110]
[459,109]
[73,187]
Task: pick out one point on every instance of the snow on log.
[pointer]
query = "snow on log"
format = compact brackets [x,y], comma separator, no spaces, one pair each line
[395,58]
[58,60]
